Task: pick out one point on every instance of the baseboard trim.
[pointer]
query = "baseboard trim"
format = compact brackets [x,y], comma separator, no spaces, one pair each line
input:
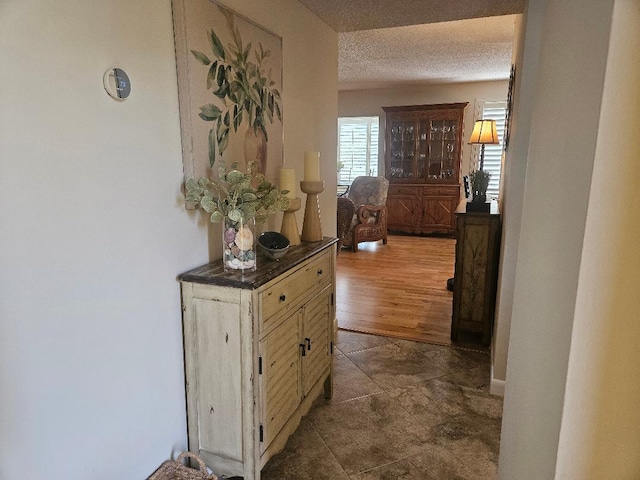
[497,387]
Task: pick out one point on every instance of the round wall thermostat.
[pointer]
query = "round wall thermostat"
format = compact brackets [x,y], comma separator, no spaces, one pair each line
[117,83]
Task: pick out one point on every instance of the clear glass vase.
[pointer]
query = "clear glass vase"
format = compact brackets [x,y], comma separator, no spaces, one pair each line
[239,245]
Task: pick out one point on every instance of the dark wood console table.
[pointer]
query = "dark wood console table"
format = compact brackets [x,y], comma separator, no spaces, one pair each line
[476,272]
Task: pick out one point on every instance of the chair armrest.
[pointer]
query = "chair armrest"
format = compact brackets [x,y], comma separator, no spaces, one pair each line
[379,212]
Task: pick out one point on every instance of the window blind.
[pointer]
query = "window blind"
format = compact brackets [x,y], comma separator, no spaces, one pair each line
[493,153]
[357,147]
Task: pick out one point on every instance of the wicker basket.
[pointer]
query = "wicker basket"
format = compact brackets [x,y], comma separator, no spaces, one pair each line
[176,470]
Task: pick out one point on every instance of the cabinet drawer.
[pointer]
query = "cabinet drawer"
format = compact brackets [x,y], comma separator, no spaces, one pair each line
[404,190]
[288,292]
[453,190]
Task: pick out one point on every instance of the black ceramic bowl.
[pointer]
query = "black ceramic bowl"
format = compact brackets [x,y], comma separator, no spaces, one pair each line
[274,244]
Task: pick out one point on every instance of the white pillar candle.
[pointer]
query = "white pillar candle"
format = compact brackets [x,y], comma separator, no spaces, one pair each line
[288,181]
[311,166]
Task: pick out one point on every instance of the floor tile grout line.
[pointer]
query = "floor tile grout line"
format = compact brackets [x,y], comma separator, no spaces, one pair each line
[385,390]
[445,347]
[328,448]
[395,401]
[362,349]
[417,423]
[400,339]
[383,465]
[437,358]
[381,386]
[359,397]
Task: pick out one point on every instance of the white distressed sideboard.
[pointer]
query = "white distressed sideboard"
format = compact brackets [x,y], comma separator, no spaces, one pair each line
[258,352]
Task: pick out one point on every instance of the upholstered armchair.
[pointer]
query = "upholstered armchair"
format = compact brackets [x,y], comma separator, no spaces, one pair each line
[369,222]
[346,210]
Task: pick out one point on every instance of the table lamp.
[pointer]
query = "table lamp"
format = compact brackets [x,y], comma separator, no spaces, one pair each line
[484,133]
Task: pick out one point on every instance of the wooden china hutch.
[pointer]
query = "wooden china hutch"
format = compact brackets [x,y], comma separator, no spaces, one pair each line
[423,151]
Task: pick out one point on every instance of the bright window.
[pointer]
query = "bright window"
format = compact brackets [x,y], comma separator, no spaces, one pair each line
[492,110]
[357,148]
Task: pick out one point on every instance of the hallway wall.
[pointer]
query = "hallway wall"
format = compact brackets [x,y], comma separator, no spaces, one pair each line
[93,230]
[566,98]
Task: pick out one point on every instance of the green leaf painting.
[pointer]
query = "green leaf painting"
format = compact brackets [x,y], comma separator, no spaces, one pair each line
[201,57]
[216,45]
[212,148]
[209,112]
[239,78]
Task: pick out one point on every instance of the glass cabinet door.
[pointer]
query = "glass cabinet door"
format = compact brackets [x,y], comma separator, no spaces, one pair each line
[402,149]
[437,149]
[424,143]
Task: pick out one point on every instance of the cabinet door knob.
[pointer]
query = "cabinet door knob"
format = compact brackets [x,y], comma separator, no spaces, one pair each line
[283,297]
[303,351]
[319,271]
[308,341]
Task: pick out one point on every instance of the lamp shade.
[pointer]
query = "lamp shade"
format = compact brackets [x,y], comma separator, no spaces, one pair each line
[484,133]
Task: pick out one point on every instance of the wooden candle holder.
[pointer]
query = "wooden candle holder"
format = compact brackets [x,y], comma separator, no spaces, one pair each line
[289,226]
[311,228]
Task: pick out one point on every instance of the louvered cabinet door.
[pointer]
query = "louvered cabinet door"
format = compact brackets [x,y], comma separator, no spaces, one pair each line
[280,378]
[316,323]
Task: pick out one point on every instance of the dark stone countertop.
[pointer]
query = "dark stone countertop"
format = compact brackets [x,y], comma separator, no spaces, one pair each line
[213,273]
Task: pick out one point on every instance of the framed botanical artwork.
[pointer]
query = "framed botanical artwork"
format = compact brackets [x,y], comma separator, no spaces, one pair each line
[229,89]
[507,122]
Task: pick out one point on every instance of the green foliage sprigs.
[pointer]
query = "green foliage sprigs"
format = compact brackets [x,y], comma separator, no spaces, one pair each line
[236,195]
[243,86]
[479,183]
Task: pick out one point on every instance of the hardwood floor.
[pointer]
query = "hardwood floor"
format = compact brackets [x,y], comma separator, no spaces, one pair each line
[397,290]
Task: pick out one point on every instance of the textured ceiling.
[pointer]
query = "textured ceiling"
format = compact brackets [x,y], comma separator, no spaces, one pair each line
[352,15]
[448,52]
[385,43]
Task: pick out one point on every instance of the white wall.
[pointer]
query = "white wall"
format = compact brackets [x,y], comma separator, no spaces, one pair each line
[565,99]
[353,103]
[526,52]
[93,232]
[600,433]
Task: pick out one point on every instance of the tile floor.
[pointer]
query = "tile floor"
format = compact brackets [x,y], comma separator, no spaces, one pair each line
[401,410]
